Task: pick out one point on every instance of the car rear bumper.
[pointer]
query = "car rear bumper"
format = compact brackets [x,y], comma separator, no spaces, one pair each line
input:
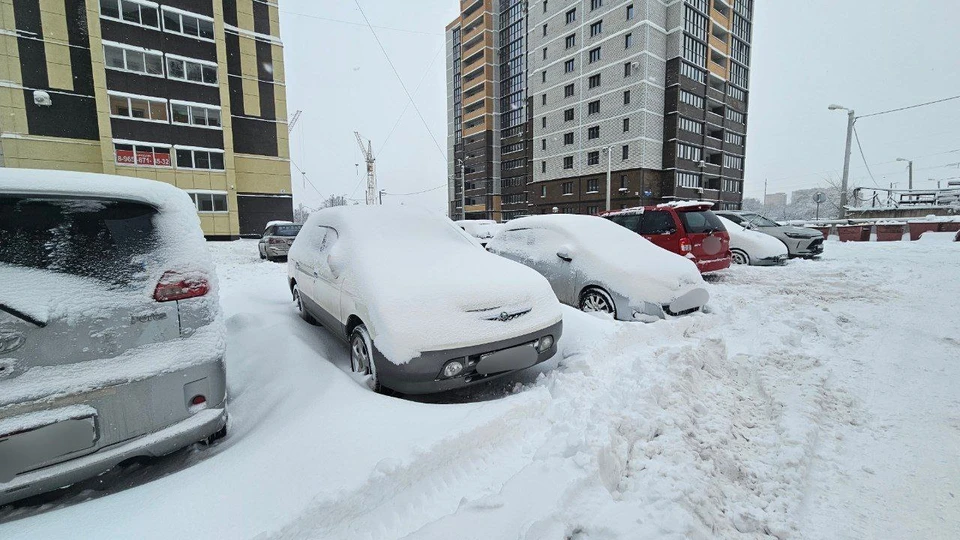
[277,250]
[422,374]
[169,439]
[713,265]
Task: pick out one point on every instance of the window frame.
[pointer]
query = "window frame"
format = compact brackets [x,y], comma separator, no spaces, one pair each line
[120,19]
[193,150]
[184,60]
[134,49]
[146,144]
[190,107]
[149,99]
[181,13]
[194,193]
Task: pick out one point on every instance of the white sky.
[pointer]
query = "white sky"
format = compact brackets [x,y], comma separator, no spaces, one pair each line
[870,55]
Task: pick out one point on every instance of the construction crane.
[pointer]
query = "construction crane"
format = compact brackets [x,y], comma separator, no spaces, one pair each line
[367,152]
[293,121]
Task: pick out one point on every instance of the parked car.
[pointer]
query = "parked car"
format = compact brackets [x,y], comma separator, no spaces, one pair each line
[425,316]
[481,229]
[800,241]
[596,265]
[687,228]
[752,247]
[277,239]
[111,335]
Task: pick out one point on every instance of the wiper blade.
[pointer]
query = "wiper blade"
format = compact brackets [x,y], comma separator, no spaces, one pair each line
[22,316]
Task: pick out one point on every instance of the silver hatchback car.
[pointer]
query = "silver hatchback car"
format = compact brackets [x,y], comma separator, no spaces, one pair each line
[276,240]
[111,338]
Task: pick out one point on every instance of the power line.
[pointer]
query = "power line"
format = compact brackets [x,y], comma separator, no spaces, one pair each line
[864,157]
[402,85]
[407,106]
[416,192]
[908,107]
[351,23]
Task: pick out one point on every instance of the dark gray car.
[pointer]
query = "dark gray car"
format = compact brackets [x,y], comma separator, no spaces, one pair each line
[111,339]
[800,241]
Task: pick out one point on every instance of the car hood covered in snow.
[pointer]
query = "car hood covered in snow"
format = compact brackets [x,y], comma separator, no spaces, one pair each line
[426,286]
[756,244]
[618,258]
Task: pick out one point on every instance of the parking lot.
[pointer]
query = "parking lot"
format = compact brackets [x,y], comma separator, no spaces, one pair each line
[813,400]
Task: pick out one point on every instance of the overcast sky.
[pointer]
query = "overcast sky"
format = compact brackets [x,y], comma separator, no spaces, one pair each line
[868,55]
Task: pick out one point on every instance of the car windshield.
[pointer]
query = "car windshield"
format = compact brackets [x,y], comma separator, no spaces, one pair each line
[287,230]
[760,221]
[703,221]
[100,239]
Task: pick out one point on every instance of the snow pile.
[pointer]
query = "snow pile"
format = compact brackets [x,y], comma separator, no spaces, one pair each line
[425,285]
[480,228]
[608,254]
[756,245]
[686,204]
[935,237]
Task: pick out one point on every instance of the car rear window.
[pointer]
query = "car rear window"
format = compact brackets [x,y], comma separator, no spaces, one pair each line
[630,221]
[700,221]
[107,240]
[288,230]
[657,222]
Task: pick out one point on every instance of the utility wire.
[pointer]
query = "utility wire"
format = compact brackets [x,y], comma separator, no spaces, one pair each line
[407,106]
[909,107]
[328,19]
[404,86]
[416,192]
[864,157]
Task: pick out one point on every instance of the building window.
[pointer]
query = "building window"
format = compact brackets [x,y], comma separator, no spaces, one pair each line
[137,107]
[736,116]
[626,97]
[195,114]
[568,91]
[567,186]
[625,150]
[543,192]
[571,16]
[593,132]
[567,139]
[188,69]
[133,59]
[544,53]
[734,138]
[568,164]
[596,28]
[593,81]
[594,55]
[544,29]
[568,66]
[694,51]
[736,93]
[623,182]
[630,12]
[141,154]
[688,180]
[593,210]
[626,125]
[593,186]
[543,166]
[209,201]
[568,115]
[695,23]
[691,99]
[594,4]
[187,24]
[199,158]
[692,153]
[543,76]
[628,69]
[543,99]
[689,125]
[593,107]
[732,162]
[543,144]
[593,158]
[692,73]
[130,11]
[544,6]
[571,41]
[628,41]
[543,122]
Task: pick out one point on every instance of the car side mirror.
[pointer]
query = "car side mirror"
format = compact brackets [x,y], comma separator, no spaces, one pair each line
[565,252]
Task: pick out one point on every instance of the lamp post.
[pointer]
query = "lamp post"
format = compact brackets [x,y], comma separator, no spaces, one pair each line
[910,168]
[609,185]
[851,118]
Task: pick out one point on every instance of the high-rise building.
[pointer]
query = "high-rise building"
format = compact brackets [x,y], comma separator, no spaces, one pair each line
[653,91]
[488,133]
[188,92]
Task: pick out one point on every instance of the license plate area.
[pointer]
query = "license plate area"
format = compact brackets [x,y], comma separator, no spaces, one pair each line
[514,358]
[34,447]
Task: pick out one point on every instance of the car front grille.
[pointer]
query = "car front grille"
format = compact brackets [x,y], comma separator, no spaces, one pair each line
[505,316]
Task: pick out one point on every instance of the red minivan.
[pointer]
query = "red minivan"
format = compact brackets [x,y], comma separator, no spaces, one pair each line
[686,228]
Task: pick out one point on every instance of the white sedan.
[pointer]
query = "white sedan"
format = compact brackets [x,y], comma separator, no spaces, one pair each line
[753,247]
[596,265]
[422,306]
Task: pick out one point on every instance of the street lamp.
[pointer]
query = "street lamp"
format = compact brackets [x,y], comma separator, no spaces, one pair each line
[851,118]
[910,167]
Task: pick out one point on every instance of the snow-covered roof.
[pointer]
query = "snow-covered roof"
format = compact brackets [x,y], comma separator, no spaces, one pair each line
[686,204]
[277,222]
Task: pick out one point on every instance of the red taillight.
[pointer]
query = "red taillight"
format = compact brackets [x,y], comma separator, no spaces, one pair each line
[177,286]
[198,400]
[685,245]
[277,241]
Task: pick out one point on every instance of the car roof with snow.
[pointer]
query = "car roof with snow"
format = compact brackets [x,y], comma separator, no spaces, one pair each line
[44,182]
[390,224]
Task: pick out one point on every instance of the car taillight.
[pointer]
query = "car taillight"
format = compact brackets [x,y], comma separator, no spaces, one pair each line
[685,245]
[178,286]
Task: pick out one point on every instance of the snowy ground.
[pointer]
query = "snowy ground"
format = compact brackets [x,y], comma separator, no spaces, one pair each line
[819,400]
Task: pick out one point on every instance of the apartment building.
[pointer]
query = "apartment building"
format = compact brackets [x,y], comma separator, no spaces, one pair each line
[488,114]
[188,92]
[655,91]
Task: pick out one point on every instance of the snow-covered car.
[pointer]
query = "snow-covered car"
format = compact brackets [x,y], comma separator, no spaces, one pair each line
[481,229]
[800,241]
[752,247]
[111,336]
[422,308]
[596,265]
[277,239]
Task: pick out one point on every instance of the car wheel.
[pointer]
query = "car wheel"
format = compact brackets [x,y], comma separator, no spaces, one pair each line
[361,358]
[597,300]
[740,257]
[262,256]
[221,433]
[300,308]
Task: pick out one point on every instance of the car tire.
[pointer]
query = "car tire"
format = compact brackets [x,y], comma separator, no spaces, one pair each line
[362,359]
[262,256]
[595,299]
[740,257]
[300,307]
[220,433]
